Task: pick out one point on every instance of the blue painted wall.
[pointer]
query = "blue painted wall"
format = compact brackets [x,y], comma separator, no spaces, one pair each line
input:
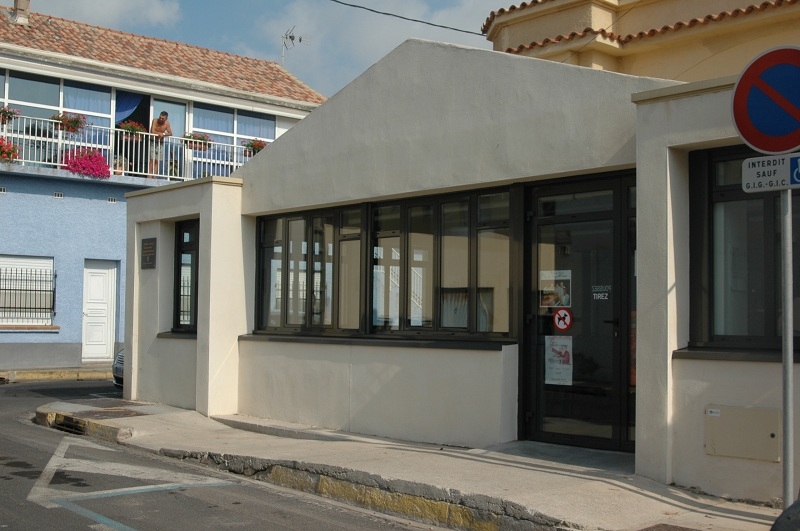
[82,225]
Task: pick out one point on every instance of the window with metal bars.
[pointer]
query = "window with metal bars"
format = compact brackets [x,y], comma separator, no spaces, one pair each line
[27,295]
[185,294]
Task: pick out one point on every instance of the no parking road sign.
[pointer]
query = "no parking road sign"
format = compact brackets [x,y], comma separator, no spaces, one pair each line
[766,102]
[766,113]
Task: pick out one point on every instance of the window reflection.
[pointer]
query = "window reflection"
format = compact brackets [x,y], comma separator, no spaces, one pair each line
[420,282]
[455,265]
[386,284]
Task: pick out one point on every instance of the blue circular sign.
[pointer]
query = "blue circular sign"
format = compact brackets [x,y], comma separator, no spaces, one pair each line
[766,102]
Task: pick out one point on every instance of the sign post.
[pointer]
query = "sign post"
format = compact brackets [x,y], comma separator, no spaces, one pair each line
[766,114]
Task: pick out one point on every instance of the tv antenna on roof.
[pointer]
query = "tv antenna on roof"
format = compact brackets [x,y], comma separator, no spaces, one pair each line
[288,41]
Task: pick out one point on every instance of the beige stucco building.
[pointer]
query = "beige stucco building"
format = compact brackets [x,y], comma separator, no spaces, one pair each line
[565,256]
[685,40]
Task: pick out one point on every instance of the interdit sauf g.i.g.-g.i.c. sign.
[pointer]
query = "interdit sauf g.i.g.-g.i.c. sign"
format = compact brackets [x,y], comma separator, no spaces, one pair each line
[765,174]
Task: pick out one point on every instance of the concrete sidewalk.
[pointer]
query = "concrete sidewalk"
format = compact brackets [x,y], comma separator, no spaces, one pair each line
[519,485]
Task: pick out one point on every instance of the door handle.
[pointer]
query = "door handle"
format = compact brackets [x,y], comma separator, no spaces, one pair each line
[615,322]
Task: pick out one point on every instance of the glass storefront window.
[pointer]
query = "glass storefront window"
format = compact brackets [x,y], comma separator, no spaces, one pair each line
[272,286]
[386,219]
[736,291]
[271,259]
[297,270]
[595,201]
[322,257]
[738,270]
[349,283]
[423,266]
[454,297]
[351,222]
[420,256]
[386,284]
[493,280]
[728,172]
[493,208]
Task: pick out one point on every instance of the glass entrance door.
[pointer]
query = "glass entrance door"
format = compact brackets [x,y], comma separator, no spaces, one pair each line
[581,297]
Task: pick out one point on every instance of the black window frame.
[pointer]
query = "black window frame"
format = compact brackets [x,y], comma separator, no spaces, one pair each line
[192,247]
[704,194]
[368,238]
[264,244]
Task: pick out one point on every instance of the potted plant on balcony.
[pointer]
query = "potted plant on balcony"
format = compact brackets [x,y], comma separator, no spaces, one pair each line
[197,141]
[69,122]
[131,130]
[88,163]
[8,151]
[120,165]
[7,114]
[253,146]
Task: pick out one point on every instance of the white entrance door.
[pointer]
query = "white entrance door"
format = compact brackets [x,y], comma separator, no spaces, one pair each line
[99,309]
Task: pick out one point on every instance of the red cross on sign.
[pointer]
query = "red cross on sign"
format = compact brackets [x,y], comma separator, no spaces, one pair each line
[562,319]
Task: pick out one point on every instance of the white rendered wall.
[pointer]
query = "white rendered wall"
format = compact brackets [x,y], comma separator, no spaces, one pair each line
[700,383]
[667,126]
[224,281]
[197,372]
[156,369]
[433,117]
[669,407]
[444,396]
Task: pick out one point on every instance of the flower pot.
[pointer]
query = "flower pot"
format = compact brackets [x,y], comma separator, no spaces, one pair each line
[131,137]
[67,128]
[248,153]
[197,146]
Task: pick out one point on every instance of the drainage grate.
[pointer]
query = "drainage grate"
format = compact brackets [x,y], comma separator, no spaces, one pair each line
[667,527]
[69,425]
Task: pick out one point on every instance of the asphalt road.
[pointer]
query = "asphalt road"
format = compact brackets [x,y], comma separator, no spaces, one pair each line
[52,480]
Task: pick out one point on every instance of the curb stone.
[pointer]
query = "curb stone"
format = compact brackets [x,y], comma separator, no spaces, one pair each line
[75,374]
[93,428]
[423,503]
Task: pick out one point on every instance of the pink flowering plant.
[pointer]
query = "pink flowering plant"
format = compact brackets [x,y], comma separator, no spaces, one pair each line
[8,151]
[197,137]
[129,126]
[88,163]
[254,145]
[7,113]
[69,121]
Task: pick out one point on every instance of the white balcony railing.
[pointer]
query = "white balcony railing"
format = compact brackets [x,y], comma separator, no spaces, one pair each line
[40,143]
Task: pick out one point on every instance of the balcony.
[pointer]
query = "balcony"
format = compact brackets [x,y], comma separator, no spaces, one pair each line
[45,143]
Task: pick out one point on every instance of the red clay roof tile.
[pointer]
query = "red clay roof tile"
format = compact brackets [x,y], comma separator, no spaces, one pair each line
[58,35]
[763,6]
[495,14]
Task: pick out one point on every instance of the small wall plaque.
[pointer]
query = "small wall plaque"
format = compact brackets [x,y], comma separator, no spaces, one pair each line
[149,253]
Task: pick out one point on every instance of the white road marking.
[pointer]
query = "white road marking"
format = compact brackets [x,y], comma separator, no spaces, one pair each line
[46,496]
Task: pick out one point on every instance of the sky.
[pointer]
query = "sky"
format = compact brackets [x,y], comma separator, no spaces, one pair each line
[333,43]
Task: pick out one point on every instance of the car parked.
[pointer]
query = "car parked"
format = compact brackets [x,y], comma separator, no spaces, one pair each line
[118,368]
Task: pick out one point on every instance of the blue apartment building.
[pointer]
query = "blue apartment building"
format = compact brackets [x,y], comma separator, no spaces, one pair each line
[62,227]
